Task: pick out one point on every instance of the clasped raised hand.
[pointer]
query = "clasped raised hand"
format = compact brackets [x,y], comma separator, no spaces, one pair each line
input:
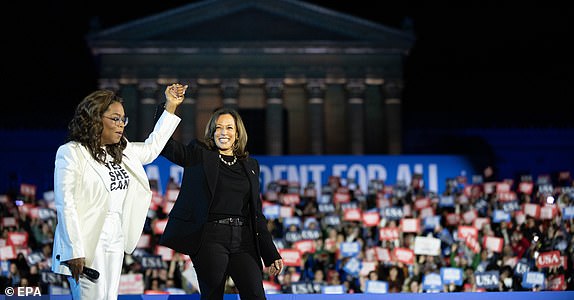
[174,94]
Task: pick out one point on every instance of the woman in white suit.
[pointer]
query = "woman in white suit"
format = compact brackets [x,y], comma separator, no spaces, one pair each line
[102,193]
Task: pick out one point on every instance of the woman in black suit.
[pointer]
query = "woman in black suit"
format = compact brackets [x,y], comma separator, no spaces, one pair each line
[217,219]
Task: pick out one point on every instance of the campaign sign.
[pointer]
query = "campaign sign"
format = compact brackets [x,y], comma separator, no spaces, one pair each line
[309,222]
[432,282]
[271,287]
[304,169]
[368,266]
[292,221]
[568,213]
[326,208]
[500,216]
[493,243]
[430,223]
[389,233]
[350,249]
[557,283]
[377,287]
[285,212]
[290,199]
[291,257]
[353,266]
[487,280]
[383,254]
[425,245]
[393,213]
[410,225]
[511,206]
[451,275]
[464,231]
[533,279]
[305,246]
[7,252]
[404,255]
[352,214]
[18,239]
[521,267]
[371,218]
[333,289]
[548,259]
[331,220]
[271,212]
[153,262]
[310,234]
[301,288]
[446,201]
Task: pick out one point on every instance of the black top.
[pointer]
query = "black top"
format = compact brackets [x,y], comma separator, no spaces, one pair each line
[231,196]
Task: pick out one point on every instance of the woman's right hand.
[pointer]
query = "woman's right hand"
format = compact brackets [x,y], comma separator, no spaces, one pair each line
[76,266]
[174,94]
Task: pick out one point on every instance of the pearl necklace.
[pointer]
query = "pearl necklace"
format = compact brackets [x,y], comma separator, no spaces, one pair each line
[228,163]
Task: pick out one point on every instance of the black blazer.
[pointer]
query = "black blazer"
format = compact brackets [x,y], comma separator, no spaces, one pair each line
[183,232]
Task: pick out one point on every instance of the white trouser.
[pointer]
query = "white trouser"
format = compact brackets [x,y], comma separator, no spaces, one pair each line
[108,260]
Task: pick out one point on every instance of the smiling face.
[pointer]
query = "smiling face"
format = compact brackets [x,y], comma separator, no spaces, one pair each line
[225,134]
[113,131]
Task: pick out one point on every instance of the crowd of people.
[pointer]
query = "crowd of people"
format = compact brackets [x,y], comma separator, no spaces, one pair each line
[476,235]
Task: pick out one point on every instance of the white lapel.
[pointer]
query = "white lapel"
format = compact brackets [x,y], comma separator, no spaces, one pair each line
[98,169]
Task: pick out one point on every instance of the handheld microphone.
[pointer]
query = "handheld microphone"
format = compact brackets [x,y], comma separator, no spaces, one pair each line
[92,274]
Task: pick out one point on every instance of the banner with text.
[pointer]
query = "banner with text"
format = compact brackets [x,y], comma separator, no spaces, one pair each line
[391,169]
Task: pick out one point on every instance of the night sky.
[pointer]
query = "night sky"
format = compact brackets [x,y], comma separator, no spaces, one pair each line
[509,60]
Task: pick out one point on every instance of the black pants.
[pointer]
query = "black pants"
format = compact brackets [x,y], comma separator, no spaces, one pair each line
[228,250]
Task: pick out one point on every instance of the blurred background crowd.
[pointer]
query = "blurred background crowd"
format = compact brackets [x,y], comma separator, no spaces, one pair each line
[479,234]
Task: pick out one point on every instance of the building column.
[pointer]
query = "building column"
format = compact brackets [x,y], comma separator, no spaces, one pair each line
[392,91]
[274,117]
[148,104]
[230,93]
[336,129]
[374,117]
[316,92]
[356,97]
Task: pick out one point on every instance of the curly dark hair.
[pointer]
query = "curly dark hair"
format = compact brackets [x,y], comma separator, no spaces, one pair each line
[240,142]
[86,126]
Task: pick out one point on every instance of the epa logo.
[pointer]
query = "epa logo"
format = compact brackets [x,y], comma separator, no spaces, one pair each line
[23,291]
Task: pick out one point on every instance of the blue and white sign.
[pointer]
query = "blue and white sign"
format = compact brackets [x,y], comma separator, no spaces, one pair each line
[500,216]
[391,169]
[451,275]
[333,289]
[568,213]
[350,249]
[533,279]
[353,266]
[392,213]
[487,280]
[446,201]
[431,222]
[271,211]
[377,287]
[432,282]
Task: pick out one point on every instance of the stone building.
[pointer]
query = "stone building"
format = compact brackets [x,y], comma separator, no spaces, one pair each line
[306,79]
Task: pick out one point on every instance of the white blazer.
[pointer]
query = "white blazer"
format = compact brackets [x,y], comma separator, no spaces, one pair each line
[82,198]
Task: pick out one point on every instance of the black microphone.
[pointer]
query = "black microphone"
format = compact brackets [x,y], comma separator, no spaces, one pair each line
[92,274]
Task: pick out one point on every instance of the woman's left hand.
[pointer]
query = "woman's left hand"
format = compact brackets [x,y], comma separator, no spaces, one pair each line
[275,268]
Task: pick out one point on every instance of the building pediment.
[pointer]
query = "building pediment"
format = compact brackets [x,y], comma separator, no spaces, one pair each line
[240,22]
